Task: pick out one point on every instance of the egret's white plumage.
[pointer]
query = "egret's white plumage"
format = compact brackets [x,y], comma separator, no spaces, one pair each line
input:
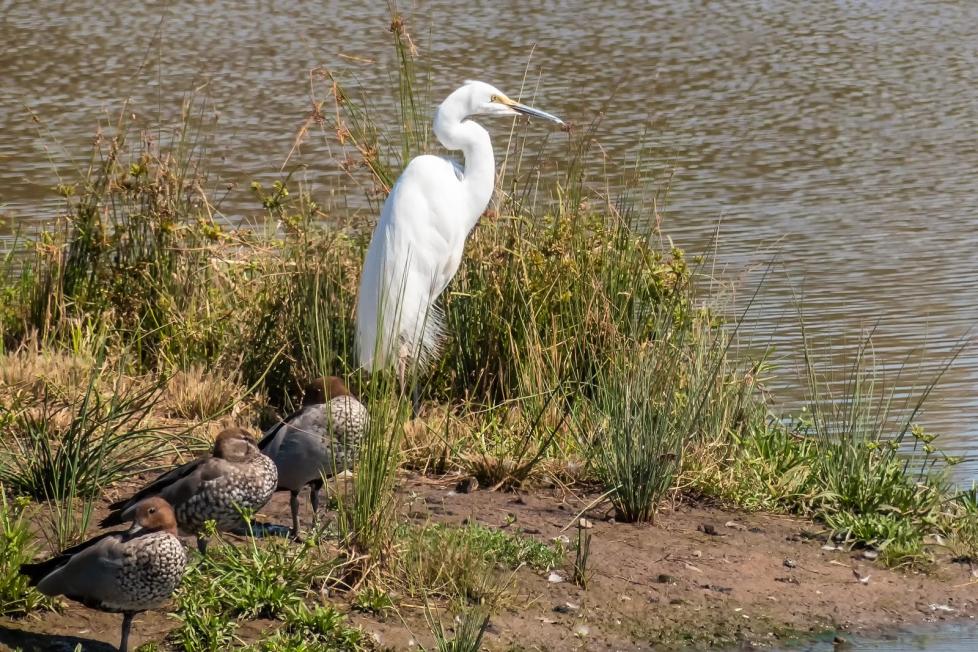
[417,245]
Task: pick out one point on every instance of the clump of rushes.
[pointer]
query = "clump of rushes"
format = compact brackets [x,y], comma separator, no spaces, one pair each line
[470,628]
[367,509]
[17,597]
[648,404]
[68,459]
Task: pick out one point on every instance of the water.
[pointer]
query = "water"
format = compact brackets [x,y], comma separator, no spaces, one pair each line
[838,138]
[949,638]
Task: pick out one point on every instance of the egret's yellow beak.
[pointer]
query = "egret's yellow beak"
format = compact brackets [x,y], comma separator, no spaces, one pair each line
[527,110]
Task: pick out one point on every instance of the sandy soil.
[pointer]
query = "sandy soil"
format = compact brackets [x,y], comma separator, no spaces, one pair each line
[700,577]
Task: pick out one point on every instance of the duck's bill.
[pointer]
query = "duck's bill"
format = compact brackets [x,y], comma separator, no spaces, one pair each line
[535,113]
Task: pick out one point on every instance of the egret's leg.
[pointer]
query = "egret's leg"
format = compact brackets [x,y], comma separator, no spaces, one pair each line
[402,373]
[415,401]
[402,377]
[314,489]
[126,626]
[294,506]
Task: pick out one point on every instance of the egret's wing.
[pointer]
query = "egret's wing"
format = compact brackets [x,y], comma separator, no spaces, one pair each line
[402,269]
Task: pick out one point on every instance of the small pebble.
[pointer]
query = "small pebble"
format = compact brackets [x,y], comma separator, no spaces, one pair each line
[870,554]
[555,578]
[790,563]
[582,630]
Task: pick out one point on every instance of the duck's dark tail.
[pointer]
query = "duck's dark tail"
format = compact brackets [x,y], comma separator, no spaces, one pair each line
[39,570]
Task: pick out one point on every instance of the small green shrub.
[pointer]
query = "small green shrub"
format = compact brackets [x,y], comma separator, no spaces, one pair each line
[17,597]
[373,599]
[267,579]
[320,629]
[459,562]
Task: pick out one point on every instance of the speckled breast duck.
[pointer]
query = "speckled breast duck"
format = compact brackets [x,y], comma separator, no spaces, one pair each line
[320,440]
[236,476]
[120,572]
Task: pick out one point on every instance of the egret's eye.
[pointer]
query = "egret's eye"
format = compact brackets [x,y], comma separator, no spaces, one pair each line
[493,98]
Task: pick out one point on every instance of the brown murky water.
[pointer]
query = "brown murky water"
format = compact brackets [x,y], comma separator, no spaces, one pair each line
[838,138]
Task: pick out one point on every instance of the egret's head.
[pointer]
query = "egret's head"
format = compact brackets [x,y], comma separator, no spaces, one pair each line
[478,98]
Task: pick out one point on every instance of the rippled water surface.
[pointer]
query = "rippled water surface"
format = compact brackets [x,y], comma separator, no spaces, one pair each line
[838,138]
[953,638]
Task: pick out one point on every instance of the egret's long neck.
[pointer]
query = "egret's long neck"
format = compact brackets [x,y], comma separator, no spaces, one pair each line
[454,132]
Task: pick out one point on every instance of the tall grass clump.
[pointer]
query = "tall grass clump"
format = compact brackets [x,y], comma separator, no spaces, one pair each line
[67,454]
[367,515]
[650,402]
[135,233]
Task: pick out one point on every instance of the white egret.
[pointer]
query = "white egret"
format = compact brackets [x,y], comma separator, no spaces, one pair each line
[417,245]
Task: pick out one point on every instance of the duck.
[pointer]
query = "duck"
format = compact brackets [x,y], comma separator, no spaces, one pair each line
[234,477]
[128,571]
[321,439]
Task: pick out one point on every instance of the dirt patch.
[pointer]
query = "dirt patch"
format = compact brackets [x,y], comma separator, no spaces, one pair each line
[699,577]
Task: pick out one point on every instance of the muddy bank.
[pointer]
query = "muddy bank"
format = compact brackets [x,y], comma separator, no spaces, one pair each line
[700,577]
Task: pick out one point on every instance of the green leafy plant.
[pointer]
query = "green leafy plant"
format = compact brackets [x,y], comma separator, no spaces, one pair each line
[267,579]
[17,597]
[319,629]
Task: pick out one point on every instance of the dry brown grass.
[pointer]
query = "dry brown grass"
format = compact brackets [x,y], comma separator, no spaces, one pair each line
[197,394]
[56,373]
